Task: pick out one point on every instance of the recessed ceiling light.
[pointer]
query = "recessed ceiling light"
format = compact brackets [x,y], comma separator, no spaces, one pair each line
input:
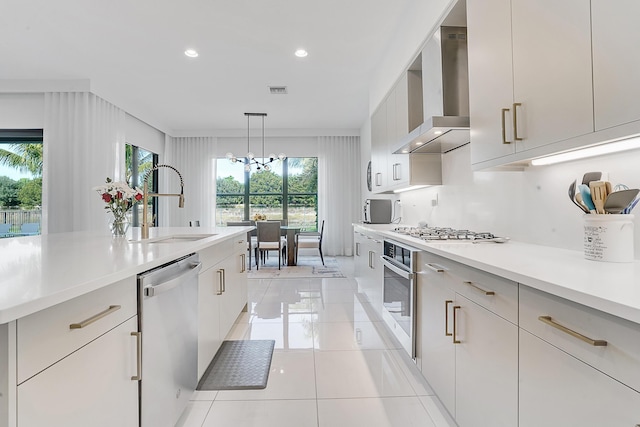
[191,53]
[301,53]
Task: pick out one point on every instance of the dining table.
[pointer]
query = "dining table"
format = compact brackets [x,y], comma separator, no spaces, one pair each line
[290,232]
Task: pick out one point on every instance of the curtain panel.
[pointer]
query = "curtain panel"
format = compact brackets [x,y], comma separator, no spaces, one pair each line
[194,158]
[83,144]
[339,201]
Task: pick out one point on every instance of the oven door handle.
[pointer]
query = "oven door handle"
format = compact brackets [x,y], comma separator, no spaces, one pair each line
[391,265]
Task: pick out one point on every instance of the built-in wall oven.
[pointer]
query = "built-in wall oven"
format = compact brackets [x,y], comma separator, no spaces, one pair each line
[399,294]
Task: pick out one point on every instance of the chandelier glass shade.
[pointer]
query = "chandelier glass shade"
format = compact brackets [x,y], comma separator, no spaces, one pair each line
[250,159]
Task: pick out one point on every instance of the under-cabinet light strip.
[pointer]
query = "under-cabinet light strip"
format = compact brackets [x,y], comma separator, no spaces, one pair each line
[597,150]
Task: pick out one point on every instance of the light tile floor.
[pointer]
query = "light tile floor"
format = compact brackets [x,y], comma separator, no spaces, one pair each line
[334,364]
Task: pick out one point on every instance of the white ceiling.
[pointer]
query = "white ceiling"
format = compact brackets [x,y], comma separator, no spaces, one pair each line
[132,52]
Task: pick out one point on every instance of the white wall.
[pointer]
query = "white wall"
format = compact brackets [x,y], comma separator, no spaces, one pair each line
[21,110]
[531,205]
[142,135]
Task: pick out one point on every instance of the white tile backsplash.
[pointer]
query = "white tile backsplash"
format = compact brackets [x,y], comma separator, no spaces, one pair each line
[531,205]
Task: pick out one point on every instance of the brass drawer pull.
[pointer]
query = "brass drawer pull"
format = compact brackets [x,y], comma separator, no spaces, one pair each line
[90,320]
[515,121]
[138,375]
[504,127]
[550,322]
[446,318]
[435,268]
[455,309]
[243,259]
[220,281]
[478,288]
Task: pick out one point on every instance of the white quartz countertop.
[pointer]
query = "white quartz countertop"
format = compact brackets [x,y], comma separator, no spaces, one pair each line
[610,287]
[37,272]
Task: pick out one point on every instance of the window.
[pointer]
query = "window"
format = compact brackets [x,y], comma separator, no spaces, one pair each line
[288,191]
[138,162]
[20,181]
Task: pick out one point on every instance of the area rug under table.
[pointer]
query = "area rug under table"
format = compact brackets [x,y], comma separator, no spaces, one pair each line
[307,267]
[239,365]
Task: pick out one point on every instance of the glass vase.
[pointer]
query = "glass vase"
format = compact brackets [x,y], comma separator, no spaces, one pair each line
[119,227]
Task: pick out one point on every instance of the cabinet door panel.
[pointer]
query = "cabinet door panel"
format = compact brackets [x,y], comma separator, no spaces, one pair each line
[90,387]
[616,63]
[436,349]
[552,70]
[557,389]
[486,367]
[209,339]
[490,77]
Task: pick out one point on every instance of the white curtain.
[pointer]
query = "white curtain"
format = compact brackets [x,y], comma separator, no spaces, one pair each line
[338,191]
[83,144]
[194,158]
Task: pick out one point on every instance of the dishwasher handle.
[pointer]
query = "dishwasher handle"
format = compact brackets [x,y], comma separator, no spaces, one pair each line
[153,290]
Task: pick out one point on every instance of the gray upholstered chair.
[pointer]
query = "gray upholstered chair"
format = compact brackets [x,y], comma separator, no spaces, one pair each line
[252,242]
[269,239]
[306,240]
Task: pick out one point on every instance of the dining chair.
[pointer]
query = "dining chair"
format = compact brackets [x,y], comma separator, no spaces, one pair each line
[269,239]
[252,242]
[310,240]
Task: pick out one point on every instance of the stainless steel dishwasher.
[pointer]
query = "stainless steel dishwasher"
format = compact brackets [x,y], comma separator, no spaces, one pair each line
[168,316]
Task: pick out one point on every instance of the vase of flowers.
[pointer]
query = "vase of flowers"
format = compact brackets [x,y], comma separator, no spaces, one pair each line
[119,198]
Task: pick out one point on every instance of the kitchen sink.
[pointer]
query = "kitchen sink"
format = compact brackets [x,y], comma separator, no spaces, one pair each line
[176,238]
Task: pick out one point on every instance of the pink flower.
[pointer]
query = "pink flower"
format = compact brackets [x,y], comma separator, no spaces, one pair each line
[138,197]
[106,197]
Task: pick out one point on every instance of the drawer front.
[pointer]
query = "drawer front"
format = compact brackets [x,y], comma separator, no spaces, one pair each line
[216,253]
[620,358]
[48,335]
[494,293]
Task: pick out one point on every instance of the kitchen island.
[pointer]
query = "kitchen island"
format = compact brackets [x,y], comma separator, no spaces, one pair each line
[69,318]
[517,334]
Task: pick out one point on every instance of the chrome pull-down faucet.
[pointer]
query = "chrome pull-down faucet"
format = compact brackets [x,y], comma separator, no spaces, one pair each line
[144,228]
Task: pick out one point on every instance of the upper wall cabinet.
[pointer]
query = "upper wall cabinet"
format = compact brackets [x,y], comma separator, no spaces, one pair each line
[616,62]
[530,78]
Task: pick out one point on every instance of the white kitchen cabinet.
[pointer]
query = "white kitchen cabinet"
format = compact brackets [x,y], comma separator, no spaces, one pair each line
[379,149]
[486,367]
[435,349]
[530,76]
[222,294]
[616,63]
[92,386]
[368,268]
[467,352]
[557,389]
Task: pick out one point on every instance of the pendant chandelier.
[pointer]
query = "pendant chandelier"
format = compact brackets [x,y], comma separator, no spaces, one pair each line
[250,158]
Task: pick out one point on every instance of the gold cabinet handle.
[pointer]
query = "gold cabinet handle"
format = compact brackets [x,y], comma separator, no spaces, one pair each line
[90,320]
[435,268]
[138,375]
[357,248]
[504,126]
[446,318]
[515,121]
[550,322]
[224,280]
[243,259]
[220,280]
[455,340]
[478,288]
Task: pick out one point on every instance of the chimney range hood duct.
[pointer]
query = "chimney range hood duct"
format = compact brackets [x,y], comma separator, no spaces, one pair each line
[446,89]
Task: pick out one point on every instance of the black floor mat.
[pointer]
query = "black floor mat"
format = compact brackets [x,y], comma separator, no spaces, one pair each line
[239,365]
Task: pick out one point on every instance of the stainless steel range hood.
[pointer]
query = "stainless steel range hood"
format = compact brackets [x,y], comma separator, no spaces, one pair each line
[446,95]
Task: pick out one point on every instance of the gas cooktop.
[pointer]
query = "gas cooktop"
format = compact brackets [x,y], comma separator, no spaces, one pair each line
[448,234]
